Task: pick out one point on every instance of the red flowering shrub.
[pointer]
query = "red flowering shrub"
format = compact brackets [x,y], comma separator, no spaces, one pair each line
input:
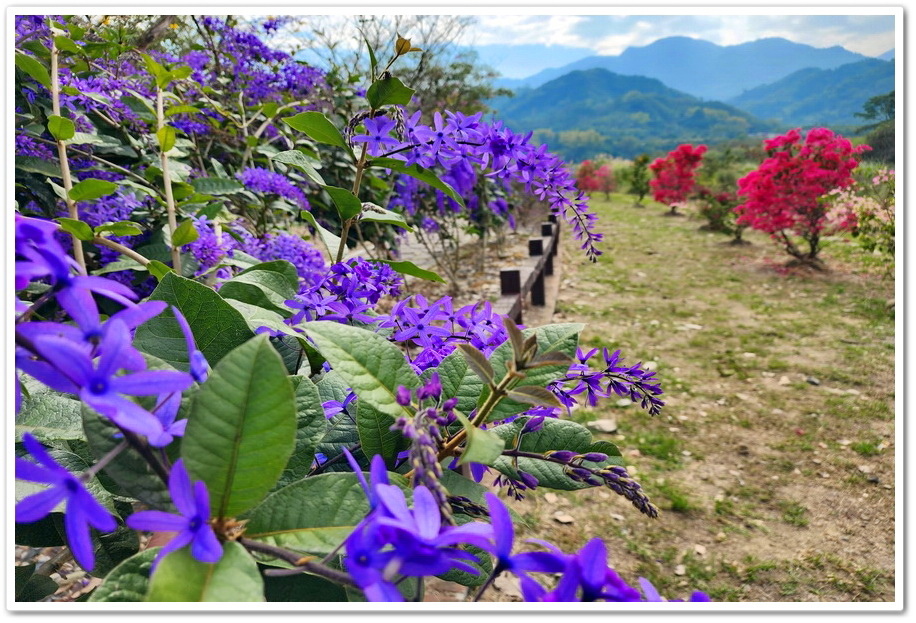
[590,178]
[784,195]
[674,175]
[606,181]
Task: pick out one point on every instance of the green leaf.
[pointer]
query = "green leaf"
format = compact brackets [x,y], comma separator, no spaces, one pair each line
[216,325]
[166,136]
[296,158]
[242,427]
[129,581]
[534,395]
[284,269]
[348,205]
[375,435]
[76,227]
[41,166]
[317,127]
[49,416]
[418,172]
[217,185]
[159,270]
[181,109]
[331,241]
[302,588]
[256,317]
[112,548]
[482,446]
[185,233]
[373,63]
[121,228]
[378,214]
[311,427]
[409,268]
[65,44]
[35,69]
[92,189]
[371,365]
[477,362]
[86,138]
[312,516]
[388,92]
[161,75]
[180,577]
[46,532]
[180,73]
[125,264]
[263,287]
[60,128]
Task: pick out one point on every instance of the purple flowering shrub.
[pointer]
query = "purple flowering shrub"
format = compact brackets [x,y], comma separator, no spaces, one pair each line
[266,412]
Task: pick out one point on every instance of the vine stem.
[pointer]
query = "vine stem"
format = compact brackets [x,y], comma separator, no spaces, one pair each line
[167,181]
[120,248]
[62,156]
[303,564]
[357,181]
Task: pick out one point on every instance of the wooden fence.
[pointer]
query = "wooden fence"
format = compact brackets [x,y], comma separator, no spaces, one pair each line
[517,283]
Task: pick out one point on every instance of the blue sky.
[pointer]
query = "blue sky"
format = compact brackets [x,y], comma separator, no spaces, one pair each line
[521,45]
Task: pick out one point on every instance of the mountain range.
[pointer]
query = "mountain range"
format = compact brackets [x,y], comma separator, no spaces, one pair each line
[704,69]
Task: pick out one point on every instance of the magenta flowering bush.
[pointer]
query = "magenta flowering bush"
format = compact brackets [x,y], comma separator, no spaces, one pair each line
[256,403]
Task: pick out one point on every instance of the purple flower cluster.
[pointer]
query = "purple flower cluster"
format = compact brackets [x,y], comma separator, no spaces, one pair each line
[505,155]
[633,382]
[266,181]
[347,292]
[87,359]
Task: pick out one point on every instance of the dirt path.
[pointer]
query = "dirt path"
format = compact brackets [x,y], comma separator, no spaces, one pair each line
[773,461]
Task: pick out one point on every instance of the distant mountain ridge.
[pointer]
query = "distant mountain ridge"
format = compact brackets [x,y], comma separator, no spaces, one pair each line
[704,69]
[827,97]
[586,112]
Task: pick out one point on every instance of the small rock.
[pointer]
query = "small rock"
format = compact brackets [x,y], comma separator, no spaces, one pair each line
[617,517]
[777,411]
[551,498]
[721,537]
[844,442]
[650,366]
[734,472]
[689,326]
[812,380]
[686,452]
[890,303]
[853,392]
[509,585]
[680,570]
[821,445]
[824,475]
[749,355]
[796,471]
[564,518]
[743,450]
[743,397]
[624,402]
[683,418]
[674,429]
[887,486]
[784,380]
[605,425]
[654,323]
[700,550]
[816,461]
[866,469]
[875,480]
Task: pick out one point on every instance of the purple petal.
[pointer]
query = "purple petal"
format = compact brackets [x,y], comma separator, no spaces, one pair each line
[81,307]
[95,514]
[649,591]
[503,531]
[114,347]
[180,489]
[150,382]
[68,357]
[181,539]
[201,500]
[426,513]
[205,547]
[27,470]
[157,521]
[392,498]
[135,315]
[125,414]
[78,537]
[38,505]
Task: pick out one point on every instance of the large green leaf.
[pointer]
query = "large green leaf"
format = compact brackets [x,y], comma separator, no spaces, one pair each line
[388,91]
[296,158]
[409,268]
[375,434]
[129,581]
[348,205]
[34,68]
[60,128]
[216,325]
[317,127]
[378,214]
[113,548]
[264,288]
[49,416]
[302,587]
[216,185]
[31,586]
[179,577]
[283,268]
[34,164]
[312,516]
[371,365]
[242,427]
[311,426]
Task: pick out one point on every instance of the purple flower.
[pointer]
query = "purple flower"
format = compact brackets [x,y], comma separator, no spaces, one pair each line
[377,135]
[192,523]
[98,386]
[82,510]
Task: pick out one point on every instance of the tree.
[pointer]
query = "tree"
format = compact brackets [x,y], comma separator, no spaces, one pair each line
[879,109]
[639,178]
[784,195]
[674,175]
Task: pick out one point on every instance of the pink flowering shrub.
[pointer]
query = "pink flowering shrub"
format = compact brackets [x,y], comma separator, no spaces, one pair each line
[673,180]
[868,209]
[784,195]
